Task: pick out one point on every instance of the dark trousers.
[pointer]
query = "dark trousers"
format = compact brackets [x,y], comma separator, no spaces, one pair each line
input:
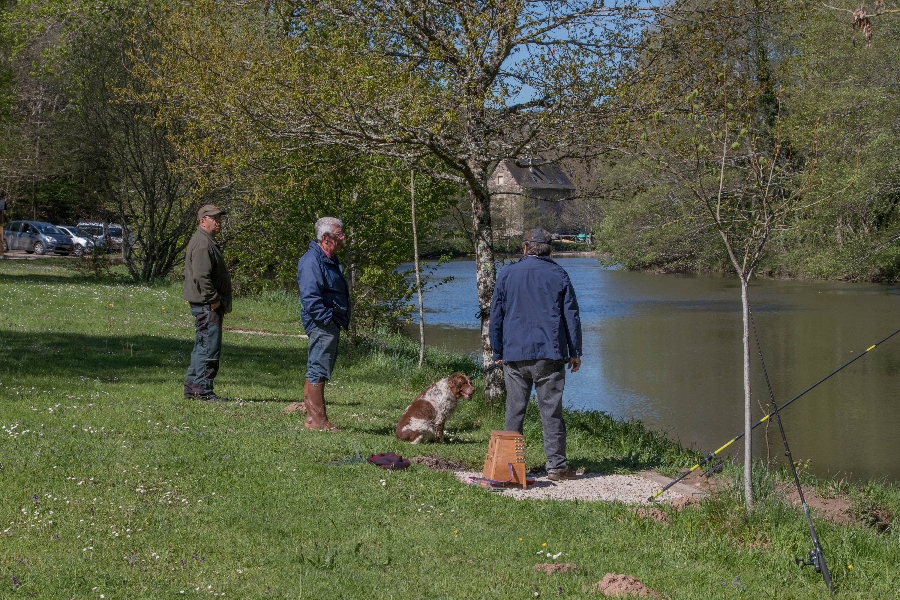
[548,377]
[207,347]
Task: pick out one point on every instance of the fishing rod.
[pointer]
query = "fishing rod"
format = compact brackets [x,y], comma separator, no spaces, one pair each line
[712,455]
[816,557]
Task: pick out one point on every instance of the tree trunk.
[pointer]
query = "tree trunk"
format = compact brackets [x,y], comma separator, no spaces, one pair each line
[412,202]
[748,425]
[350,256]
[486,276]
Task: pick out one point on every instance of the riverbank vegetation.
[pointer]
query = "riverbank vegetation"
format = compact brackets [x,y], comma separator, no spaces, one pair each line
[766,111]
[115,486]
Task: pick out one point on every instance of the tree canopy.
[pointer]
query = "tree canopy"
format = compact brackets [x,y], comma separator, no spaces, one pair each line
[447,88]
[262,103]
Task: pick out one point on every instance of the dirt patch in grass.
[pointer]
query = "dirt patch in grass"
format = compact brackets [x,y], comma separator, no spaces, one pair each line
[295,407]
[614,585]
[651,512]
[837,509]
[683,502]
[550,568]
[439,463]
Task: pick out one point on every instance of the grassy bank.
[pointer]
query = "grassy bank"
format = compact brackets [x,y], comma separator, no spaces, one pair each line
[113,486]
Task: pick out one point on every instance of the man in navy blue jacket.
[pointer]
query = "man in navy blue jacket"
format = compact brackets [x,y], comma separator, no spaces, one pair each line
[325,300]
[535,331]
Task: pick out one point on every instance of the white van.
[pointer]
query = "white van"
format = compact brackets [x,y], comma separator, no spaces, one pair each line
[105,235]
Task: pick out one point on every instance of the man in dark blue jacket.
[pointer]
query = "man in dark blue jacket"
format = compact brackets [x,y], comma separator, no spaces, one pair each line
[535,331]
[325,300]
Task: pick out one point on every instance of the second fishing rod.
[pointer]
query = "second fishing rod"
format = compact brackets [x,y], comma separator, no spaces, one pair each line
[816,557]
[715,453]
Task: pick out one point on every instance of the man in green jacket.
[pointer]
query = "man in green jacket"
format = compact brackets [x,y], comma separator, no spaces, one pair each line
[207,288]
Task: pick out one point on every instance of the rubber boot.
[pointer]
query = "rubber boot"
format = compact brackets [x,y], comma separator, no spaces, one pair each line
[315,408]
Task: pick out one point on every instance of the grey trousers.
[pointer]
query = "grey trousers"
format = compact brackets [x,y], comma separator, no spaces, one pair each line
[548,377]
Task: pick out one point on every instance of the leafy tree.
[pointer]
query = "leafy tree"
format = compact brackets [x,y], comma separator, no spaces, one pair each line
[92,145]
[30,103]
[647,221]
[851,114]
[861,19]
[273,224]
[133,159]
[829,107]
[717,137]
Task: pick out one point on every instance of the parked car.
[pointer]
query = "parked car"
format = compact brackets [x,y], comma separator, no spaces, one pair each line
[82,239]
[106,235]
[37,237]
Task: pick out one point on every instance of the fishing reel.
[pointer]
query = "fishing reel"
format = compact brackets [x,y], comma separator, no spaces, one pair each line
[712,470]
[811,561]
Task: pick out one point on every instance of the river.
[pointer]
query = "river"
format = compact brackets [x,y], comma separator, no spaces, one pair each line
[666,349]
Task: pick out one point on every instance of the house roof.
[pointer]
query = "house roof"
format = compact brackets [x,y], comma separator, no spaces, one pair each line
[539,176]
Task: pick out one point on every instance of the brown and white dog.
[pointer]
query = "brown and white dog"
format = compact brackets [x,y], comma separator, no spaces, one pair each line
[423,420]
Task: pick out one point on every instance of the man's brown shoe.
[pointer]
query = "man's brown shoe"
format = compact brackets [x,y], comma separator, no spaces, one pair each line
[566,474]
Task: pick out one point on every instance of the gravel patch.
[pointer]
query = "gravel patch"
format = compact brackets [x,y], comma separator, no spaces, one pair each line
[629,489]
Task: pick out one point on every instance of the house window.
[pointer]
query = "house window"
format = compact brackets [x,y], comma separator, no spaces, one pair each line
[499,179]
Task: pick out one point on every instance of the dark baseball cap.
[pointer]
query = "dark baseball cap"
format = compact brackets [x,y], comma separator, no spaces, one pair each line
[538,235]
[210,210]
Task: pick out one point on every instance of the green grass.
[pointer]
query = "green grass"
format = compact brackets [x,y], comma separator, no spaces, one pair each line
[113,485]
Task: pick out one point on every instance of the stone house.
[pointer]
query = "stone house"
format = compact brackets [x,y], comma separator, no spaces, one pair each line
[527,194]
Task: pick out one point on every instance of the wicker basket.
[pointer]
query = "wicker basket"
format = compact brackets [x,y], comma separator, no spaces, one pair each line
[505,460]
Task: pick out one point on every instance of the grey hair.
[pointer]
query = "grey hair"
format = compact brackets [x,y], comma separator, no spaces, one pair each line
[327,225]
[537,249]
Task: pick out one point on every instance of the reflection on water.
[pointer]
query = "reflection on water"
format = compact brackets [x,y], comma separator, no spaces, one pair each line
[667,350]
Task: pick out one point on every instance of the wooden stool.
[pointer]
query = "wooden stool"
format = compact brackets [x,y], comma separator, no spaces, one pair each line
[505,448]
